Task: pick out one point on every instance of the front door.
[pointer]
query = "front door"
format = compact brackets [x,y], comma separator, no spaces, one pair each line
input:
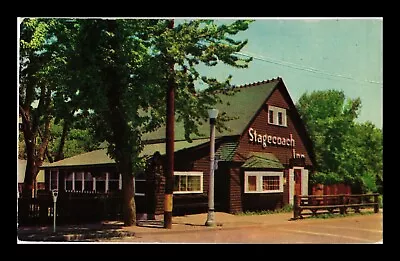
[297,181]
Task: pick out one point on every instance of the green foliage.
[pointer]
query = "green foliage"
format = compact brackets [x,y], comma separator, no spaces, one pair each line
[326,178]
[380,201]
[126,64]
[78,140]
[115,73]
[345,151]
[285,209]
[369,182]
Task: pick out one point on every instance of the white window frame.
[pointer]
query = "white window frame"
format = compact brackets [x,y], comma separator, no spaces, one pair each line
[259,181]
[190,173]
[275,118]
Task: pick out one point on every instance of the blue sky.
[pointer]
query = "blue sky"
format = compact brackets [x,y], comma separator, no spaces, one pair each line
[342,54]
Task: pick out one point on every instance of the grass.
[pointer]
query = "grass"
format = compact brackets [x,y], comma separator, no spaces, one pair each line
[285,209]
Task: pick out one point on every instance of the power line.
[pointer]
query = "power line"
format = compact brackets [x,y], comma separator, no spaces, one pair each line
[303,68]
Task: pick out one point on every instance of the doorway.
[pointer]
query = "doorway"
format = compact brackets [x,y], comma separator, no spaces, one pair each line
[297,181]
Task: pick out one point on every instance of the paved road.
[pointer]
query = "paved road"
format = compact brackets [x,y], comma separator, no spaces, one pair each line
[355,229]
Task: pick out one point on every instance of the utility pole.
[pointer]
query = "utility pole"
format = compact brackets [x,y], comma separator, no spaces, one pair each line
[170,139]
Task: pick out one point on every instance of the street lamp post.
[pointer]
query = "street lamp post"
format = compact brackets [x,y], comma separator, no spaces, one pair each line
[213,113]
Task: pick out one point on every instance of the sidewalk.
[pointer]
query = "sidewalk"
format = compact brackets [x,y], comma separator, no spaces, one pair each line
[180,224]
[112,229]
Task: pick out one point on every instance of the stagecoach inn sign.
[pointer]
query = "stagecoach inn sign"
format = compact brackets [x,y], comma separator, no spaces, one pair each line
[266,139]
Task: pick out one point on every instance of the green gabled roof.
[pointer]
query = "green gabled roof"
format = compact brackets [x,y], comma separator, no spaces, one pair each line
[226,151]
[244,104]
[100,157]
[262,160]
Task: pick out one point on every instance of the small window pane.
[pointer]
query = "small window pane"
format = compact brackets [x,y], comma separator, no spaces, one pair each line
[140,186]
[271,116]
[252,183]
[270,183]
[193,183]
[88,181]
[68,185]
[176,183]
[78,185]
[113,185]
[182,183]
[54,180]
[68,182]
[100,186]
[113,175]
[280,118]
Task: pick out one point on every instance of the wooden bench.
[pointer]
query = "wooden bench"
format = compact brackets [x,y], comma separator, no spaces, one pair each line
[341,202]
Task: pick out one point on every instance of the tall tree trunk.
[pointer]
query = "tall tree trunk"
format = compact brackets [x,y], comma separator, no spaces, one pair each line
[121,133]
[60,150]
[31,169]
[35,156]
[129,206]
[30,144]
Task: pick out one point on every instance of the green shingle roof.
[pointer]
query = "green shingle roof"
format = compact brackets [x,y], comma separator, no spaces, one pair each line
[226,151]
[243,104]
[262,160]
[100,157]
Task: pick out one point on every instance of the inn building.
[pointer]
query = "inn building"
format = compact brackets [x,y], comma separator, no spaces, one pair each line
[264,158]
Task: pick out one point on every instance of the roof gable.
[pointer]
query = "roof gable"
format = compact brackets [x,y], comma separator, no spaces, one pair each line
[301,126]
[263,161]
[244,104]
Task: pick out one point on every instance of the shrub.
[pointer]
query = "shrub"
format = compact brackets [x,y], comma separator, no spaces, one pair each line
[369,182]
[326,178]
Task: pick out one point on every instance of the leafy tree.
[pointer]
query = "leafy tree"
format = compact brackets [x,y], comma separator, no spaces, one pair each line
[78,140]
[46,47]
[345,151]
[123,68]
[38,75]
[364,157]
[328,118]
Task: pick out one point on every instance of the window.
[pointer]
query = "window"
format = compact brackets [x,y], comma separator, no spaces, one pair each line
[263,182]
[280,120]
[140,184]
[188,182]
[101,183]
[53,180]
[69,181]
[79,181]
[271,116]
[88,184]
[270,183]
[113,181]
[252,183]
[277,116]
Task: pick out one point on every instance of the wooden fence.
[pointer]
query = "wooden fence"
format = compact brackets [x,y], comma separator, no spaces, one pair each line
[329,203]
[332,189]
[72,208]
